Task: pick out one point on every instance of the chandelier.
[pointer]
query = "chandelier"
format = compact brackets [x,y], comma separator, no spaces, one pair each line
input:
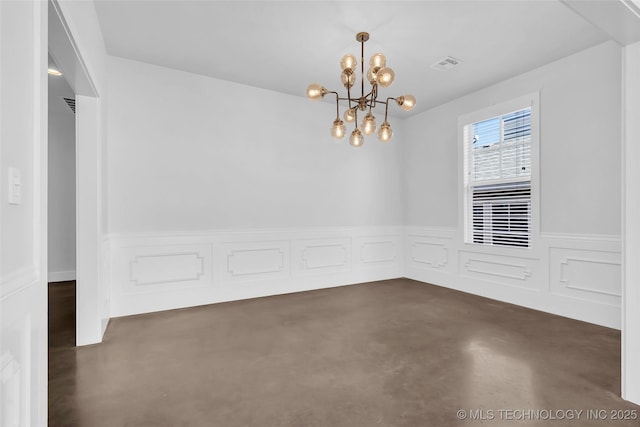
[378,75]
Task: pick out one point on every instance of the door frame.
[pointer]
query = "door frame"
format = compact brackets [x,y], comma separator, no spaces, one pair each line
[91,311]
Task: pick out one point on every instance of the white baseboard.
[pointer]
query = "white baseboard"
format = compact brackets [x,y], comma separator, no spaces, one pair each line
[61,276]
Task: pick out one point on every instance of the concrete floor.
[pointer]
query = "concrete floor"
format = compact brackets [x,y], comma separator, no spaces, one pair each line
[391,353]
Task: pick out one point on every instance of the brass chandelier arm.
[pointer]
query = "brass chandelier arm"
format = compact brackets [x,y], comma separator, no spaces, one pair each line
[337,103]
[349,98]
[374,94]
[386,108]
[357,100]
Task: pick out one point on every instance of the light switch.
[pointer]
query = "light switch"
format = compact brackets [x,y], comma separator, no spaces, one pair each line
[15,186]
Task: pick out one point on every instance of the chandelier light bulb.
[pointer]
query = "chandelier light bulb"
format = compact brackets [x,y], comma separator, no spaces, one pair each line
[371,75]
[407,102]
[315,91]
[348,78]
[385,133]
[356,140]
[378,60]
[385,76]
[348,62]
[350,115]
[369,124]
[338,130]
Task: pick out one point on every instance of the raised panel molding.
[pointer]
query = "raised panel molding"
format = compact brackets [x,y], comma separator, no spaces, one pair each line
[591,271]
[325,256]
[152,267]
[511,271]
[151,272]
[166,268]
[252,262]
[500,269]
[434,255]
[585,273]
[375,252]
[572,275]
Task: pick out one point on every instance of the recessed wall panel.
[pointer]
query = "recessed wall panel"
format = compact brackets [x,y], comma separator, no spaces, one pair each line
[322,255]
[249,261]
[588,274]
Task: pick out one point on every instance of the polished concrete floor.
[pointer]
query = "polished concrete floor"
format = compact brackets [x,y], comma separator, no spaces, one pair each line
[390,353]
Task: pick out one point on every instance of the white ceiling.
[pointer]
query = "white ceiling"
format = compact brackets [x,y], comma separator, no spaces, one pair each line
[285,45]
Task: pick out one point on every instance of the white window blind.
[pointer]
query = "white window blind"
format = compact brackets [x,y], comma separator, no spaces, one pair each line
[498,181]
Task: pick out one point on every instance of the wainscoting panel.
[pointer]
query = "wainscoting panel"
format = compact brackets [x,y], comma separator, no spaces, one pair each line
[509,271]
[257,260]
[379,251]
[22,346]
[158,268]
[429,254]
[166,268]
[322,256]
[577,276]
[588,274]
[166,271]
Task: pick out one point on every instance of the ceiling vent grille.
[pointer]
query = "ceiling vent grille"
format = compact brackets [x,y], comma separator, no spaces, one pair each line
[71,103]
[446,63]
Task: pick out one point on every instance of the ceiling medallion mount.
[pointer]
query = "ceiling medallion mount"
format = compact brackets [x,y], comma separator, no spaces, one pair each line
[362,36]
[378,75]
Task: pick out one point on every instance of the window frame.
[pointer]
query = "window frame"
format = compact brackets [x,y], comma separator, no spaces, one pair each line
[465,210]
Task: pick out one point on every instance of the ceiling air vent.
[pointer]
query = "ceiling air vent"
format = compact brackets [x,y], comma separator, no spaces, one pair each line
[446,63]
[71,103]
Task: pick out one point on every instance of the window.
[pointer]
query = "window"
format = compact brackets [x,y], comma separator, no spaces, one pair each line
[497,165]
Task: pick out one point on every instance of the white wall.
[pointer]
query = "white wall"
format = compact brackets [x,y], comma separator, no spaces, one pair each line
[631,215]
[188,152]
[62,196]
[580,102]
[17,136]
[254,177]
[575,268]
[23,228]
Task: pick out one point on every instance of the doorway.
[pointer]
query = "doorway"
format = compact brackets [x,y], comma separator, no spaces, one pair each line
[91,296]
[61,250]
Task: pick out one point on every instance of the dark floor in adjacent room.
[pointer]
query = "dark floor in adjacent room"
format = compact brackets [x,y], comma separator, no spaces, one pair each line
[390,353]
